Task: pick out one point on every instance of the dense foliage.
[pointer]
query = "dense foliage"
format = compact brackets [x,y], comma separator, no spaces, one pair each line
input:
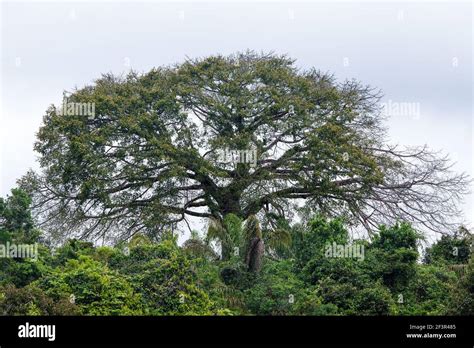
[171,144]
[300,277]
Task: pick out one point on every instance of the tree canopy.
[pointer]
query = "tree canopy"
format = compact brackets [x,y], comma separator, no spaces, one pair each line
[149,158]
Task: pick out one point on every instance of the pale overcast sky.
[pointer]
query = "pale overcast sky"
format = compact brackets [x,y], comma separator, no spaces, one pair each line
[414,52]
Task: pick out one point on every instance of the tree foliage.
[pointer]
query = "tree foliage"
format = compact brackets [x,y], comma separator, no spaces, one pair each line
[149,157]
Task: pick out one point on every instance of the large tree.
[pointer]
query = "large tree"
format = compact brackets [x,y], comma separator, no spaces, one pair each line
[150,155]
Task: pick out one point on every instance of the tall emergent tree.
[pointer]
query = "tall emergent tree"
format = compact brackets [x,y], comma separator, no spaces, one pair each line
[152,153]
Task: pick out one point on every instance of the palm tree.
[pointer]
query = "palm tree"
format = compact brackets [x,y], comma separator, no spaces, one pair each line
[248,239]
[227,232]
[255,246]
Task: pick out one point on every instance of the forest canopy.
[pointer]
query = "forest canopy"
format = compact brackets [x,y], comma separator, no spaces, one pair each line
[142,277]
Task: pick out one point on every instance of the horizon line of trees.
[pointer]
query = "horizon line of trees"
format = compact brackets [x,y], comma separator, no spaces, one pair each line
[289,275]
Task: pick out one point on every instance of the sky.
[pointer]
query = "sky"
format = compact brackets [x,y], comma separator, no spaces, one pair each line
[418,54]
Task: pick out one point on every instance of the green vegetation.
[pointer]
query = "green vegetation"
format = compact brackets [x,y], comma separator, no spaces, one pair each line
[152,155]
[291,274]
[155,153]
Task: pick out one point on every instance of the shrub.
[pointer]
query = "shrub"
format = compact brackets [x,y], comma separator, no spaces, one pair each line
[374,300]
[95,288]
[31,300]
[277,290]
